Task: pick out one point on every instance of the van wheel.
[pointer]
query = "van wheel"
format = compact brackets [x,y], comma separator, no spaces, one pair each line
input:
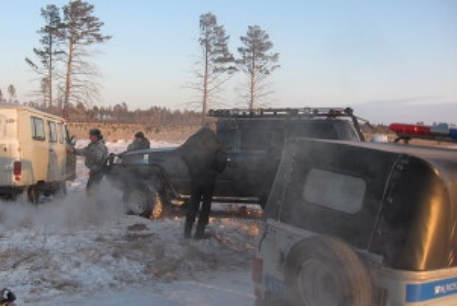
[322,270]
[142,202]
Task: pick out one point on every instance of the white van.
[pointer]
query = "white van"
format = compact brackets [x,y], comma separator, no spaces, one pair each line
[33,152]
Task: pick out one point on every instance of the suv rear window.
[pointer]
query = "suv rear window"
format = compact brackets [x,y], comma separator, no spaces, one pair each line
[260,139]
[337,191]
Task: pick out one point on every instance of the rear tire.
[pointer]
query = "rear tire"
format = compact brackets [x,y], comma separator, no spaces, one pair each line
[140,201]
[322,270]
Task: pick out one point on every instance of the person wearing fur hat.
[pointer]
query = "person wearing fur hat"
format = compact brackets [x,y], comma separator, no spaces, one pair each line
[139,142]
[95,154]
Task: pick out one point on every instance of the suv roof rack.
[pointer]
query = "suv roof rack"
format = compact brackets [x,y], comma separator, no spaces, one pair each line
[282,112]
[303,112]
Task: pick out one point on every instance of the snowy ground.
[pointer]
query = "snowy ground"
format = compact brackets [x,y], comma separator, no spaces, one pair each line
[82,250]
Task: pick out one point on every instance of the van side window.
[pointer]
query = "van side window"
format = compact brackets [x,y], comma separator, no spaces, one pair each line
[52,131]
[60,132]
[37,128]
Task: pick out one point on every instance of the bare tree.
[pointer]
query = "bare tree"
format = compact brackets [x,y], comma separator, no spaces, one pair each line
[51,36]
[81,30]
[215,65]
[257,63]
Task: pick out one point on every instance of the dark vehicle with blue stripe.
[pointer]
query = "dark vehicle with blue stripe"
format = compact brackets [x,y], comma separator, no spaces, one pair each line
[360,224]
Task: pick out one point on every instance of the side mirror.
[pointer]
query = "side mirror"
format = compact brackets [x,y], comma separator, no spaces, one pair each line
[73,140]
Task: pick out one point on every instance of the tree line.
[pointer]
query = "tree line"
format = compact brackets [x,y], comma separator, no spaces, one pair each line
[68,80]
[153,117]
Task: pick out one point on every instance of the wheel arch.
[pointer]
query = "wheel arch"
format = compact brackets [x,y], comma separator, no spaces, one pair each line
[340,258]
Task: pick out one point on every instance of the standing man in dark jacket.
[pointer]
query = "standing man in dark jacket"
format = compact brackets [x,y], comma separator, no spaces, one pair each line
[205,155]
[95,153]
[139,143]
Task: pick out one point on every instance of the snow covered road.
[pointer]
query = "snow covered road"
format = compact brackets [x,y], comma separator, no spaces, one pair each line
[82,250]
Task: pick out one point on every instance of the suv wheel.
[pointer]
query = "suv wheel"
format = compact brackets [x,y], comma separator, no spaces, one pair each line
[142,202]
[322,270]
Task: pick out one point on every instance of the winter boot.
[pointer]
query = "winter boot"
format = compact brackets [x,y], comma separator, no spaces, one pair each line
[200,232]
[188,229]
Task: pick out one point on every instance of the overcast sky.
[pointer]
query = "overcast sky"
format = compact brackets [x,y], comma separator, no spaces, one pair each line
[389,60]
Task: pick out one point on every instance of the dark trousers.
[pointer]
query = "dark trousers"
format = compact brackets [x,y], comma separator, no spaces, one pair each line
[94,180]
[202,190]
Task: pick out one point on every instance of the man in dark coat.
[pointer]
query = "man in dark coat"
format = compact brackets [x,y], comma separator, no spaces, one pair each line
[139,143]
[205,155]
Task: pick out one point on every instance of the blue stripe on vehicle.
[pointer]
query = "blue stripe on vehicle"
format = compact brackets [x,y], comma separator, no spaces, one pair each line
[432,290]
[275,285]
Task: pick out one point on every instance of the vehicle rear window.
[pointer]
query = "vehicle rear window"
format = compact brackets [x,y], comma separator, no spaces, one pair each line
[228,137]
[255,140]
[337,191]
[261,139]
[323,129]
[37,128]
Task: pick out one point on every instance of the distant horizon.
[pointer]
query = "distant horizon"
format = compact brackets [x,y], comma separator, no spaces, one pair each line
[390,61]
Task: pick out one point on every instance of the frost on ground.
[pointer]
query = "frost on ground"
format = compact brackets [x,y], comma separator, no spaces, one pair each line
[86,249]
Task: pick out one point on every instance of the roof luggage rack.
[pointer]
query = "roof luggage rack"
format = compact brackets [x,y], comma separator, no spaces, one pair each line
[303,112]
[281,112]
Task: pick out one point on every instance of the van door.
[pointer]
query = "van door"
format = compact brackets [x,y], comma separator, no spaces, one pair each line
[8,142]
[56,154]
[37,150]
[70,155]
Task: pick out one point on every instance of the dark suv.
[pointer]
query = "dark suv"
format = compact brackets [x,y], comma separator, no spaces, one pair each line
[360,224]
[253,139]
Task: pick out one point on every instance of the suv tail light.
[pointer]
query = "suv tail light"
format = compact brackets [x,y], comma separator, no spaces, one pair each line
[17,170]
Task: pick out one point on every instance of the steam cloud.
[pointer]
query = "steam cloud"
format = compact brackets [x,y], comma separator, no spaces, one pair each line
[76,211]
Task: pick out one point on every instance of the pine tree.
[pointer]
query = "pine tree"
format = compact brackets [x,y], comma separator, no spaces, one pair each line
[257,63]
[51,36]
[81,30]
[215,65]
